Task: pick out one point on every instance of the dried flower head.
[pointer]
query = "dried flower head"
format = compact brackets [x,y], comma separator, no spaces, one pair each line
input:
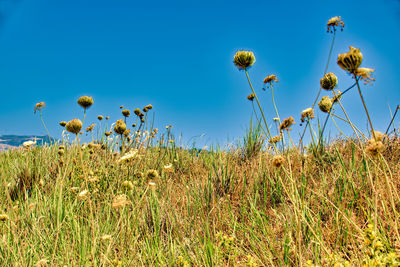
[127,185]
[63,123]
[121,107]
[127,132]
[277,161]
[251,96]
[120,127]
[28,144]
[85,101]
[270,79]
[351,60]
[132,154]
[329,81]
[108,133]
[100,117]
[74,126]
[108,117]
[152,174]
[83,195]
[168,168]
[244,59]
[325,104]
[39,106]
[374,147]
[126,112]
[275,139]
[307,113]
[286,123]
[133,125]
[137,111]
[365,74]
[90,128]
[379,136]
[142,120]
[147,108]
[120,201]
[335,22]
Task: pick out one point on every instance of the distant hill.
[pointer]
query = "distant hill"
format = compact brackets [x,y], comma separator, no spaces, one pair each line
[13,141]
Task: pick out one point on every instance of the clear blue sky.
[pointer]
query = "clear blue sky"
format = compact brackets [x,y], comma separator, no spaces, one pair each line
[177,55]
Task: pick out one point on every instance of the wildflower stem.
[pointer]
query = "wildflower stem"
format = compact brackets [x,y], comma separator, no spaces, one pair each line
[365,107]
[41,118]
[262,113]
[276,110]
[390,124]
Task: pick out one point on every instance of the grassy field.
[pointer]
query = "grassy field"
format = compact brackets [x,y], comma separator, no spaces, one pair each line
[133,197]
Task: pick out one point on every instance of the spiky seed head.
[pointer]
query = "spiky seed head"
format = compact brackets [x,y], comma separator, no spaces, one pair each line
[270,79]
[277,161]
[351,60]
[120,127]
[365,74]
[137,111]
[244,59]
[74,126]
[329,81]
[335,22]
[85,101]
[325,104]
[275,139]
[307,113]
[90,128]
[39,106]
[251,96]
[286,123]
[126,112]
[152,174]
[100,117]
[63,123]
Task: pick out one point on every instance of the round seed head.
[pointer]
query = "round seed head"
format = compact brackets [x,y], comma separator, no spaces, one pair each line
[63,123]
[90,128]
[74,126]
[329,81]
[325,104]
[351,60]
[142,120]
[121,107]
[244,59]
[374,147]
[85,101]
[100,117]
[137,111]
[149,106]
[133,125]
[108,133]
[152,174]
[127,132]
[277,161]
[120,127]
[108,117]
[126,112]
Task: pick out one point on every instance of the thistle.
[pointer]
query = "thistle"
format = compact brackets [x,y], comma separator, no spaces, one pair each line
[329,81]
[351,60]
[74,126]
[244,59]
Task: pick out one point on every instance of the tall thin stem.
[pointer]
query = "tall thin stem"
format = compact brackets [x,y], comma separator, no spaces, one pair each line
[41,118]
[365,107]
[277,114]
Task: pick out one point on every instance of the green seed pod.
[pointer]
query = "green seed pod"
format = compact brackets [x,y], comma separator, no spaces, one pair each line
[74,126]
[244,59]
[351,60]
[329,81]
[120,127]
[85,101]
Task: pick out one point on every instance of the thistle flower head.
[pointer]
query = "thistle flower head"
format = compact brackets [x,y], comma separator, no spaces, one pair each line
[85,101]
[90,128]
[307,113]
[277,161]
[329,81]
[251,96]
[335,22]
[270,79]
[351,60]
[365,74]
[39,106]
[74,126]
[152,174]
[126,112]
[285,125]
[63,123]
[244,59]
[325,104]
[100,117]
[120,127]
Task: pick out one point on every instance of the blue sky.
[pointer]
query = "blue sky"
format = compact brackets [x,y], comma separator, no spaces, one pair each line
[177,55]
